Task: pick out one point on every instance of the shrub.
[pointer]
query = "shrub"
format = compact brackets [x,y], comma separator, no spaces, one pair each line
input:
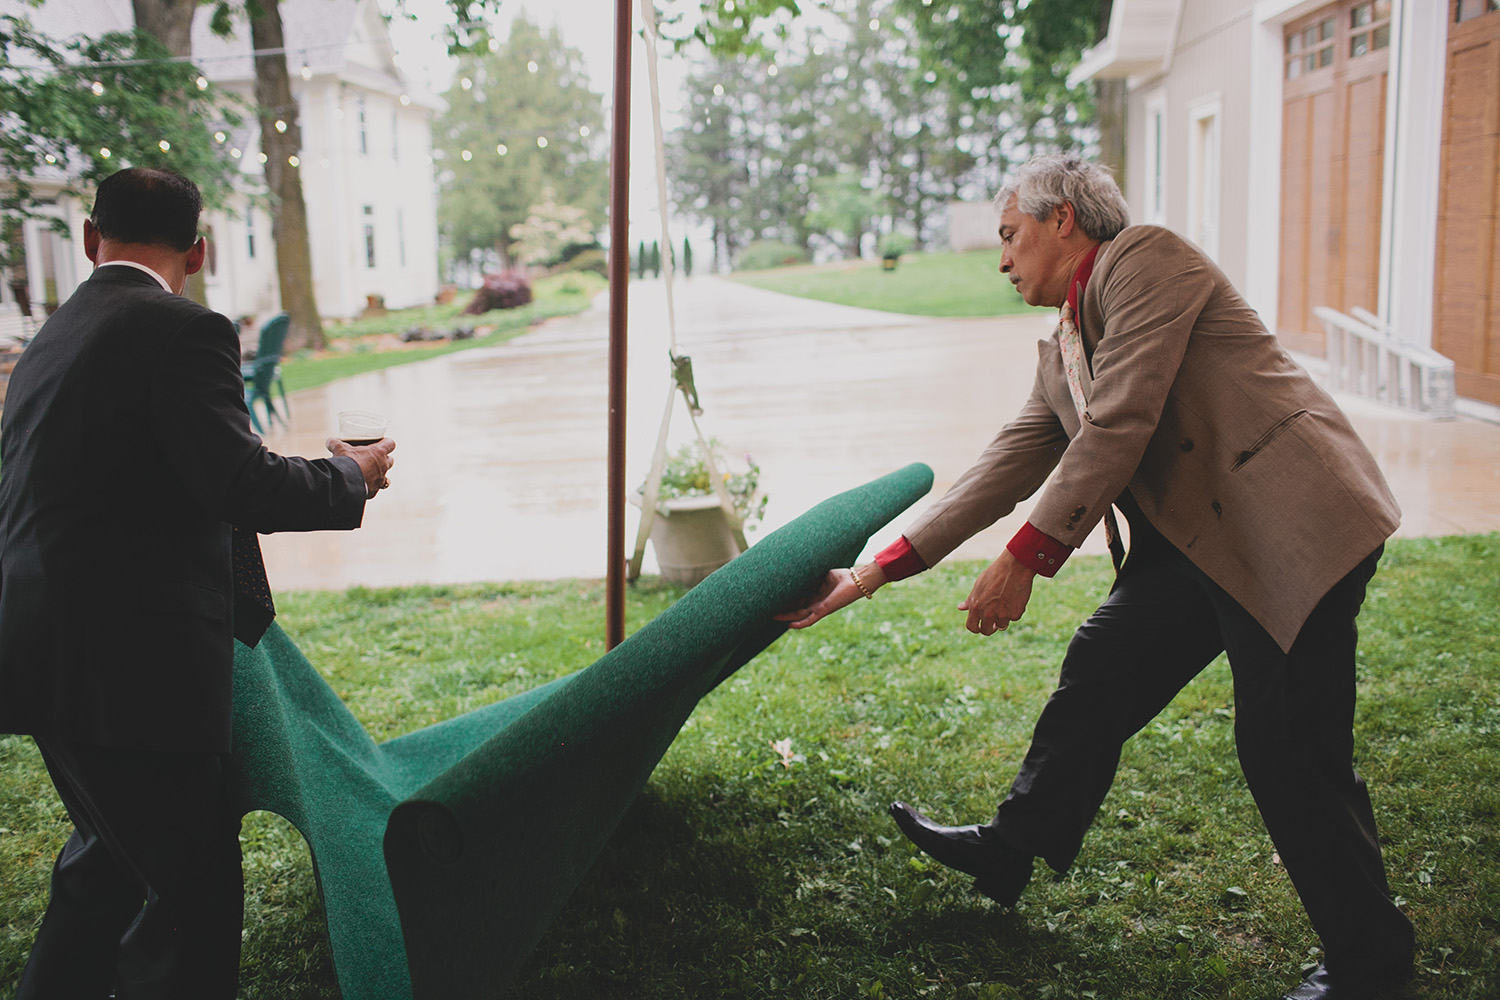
[762,254]
[893,245]
[505,290]
[588,260]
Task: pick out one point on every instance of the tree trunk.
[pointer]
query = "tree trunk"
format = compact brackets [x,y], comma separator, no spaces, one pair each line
[171,23]
[1109,103]
[273,95]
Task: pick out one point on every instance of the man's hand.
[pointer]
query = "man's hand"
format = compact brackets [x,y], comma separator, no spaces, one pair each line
[374,461]
[838,591]
[999,596]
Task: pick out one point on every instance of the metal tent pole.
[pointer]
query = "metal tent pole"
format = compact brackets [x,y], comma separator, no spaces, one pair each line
[619,281]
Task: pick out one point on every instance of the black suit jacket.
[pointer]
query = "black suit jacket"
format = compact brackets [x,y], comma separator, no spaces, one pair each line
[125,457]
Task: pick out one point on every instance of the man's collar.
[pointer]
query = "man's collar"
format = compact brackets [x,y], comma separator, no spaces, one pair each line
[139,267]
[1081,277]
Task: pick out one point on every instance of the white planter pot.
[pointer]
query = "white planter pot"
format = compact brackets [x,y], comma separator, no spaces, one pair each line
[692,538]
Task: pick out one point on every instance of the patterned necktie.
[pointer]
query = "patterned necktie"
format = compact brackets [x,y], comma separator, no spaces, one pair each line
[1074,365]
[253,607]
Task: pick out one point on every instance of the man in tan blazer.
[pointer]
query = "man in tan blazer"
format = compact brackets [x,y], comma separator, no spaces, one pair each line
[1256,519]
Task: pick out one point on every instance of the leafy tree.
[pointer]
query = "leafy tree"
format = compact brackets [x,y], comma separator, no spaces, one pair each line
[1006,63]
[842,205]
[85,107]
[521,118]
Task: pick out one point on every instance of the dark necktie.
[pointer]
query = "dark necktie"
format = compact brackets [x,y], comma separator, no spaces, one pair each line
[253,607]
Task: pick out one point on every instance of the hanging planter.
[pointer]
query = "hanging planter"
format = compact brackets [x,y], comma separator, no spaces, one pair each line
[693,534]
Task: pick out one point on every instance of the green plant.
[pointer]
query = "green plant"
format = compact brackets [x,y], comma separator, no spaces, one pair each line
[686,474]
[893,245]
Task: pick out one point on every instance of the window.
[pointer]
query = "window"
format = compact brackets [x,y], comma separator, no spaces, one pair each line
[1467,9]
[1156,158]
[250,233]
[369,236]
[1369,27]
[364,132]
[1310,49]
[1203,182]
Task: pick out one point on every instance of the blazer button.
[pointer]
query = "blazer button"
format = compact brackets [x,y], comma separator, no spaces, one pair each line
[1186,444]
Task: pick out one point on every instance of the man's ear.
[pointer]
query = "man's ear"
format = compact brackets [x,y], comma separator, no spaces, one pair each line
[1067,219]
[90,241]
[195,256]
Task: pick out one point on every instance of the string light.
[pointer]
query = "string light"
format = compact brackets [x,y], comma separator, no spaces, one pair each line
[105,153]
[583,130]
[202,82]
[466,83]
[531,66]
[280,125]
[50,158]
[541,142]
[718,90]
[261,157]
[294,160]
[874,24]
[306,71]
[164,146]
[97,88]
[494,45]
[405,100]
[220,137]
[502,149]
[467,156]
[235,153]
[771,70]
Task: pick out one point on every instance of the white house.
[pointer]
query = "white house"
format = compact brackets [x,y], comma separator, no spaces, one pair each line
[1342,154]
[367,171]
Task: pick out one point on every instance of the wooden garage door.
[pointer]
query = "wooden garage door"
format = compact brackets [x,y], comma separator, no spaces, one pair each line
[1332,159]
[1466,307]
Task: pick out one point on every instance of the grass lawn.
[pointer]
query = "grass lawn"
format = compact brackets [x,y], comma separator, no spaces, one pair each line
[923,284]
[365,344]
[733,876]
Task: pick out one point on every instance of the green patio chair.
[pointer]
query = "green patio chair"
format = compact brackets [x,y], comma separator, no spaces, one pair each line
[444,854]
[263,373]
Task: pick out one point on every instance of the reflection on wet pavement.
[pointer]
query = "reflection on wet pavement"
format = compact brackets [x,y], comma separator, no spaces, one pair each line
[500,460]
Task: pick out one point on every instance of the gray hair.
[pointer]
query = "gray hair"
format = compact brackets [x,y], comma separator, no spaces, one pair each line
[1041,184]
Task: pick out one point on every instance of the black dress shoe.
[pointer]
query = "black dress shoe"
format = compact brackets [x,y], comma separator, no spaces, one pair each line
[1000,871]
[1319,985]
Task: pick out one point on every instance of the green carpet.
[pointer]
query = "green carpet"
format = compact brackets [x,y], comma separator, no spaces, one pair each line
[489,821]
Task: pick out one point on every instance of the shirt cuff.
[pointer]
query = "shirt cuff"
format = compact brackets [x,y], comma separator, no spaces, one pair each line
[899,560]
[1039,552]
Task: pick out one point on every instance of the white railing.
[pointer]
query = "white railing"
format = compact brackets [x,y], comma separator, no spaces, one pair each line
[1367,358]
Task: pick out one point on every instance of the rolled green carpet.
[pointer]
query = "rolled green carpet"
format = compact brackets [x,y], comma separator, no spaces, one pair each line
[490,820]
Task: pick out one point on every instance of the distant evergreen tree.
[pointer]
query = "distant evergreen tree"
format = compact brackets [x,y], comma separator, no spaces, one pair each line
[687,258]
[641,261]
[655,259]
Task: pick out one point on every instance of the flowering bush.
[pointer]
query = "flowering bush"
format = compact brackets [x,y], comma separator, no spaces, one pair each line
[685,474]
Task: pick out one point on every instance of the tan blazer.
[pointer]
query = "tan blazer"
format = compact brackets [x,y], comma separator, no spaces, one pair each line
[1230,449]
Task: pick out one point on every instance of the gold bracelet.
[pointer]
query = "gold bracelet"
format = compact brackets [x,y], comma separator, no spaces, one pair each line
[861,584]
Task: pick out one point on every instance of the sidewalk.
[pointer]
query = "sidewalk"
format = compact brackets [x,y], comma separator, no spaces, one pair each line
[500,460]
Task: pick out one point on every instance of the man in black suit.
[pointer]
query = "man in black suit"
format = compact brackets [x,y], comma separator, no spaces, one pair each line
[131,490]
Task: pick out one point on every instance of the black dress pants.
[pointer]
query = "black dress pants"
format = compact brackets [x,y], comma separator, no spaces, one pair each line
[147,895]
[1163,622]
